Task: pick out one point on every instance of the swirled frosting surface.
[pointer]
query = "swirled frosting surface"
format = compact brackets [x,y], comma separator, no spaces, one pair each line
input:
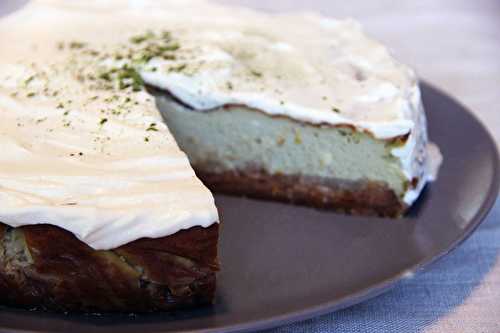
[82,145]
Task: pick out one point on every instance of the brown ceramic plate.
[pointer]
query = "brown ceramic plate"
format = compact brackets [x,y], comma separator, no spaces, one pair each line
[282,263]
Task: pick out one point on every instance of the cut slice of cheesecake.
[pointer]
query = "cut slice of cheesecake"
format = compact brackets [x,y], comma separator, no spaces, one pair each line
[99,208]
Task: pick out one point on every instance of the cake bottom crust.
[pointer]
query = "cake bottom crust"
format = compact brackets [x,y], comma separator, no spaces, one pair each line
[46,267]
[363,197]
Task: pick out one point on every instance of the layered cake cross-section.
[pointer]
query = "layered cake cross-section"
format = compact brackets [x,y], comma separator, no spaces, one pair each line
[111,113]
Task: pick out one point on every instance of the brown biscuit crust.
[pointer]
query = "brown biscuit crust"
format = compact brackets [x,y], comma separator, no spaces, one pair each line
[362,197]
[46,267]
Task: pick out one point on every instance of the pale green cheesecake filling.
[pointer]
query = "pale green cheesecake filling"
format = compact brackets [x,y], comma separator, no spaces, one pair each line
[238,138]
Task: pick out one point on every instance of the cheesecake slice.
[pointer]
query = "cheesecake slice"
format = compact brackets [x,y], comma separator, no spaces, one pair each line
[99,208]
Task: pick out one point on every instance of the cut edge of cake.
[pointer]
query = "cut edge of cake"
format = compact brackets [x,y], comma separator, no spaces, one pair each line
[239,150]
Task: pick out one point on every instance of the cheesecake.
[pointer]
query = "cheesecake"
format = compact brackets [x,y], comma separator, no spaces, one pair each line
[296,108]
[100,209]
[119,120]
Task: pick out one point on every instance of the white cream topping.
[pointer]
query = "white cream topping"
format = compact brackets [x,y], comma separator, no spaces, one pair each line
[334,76]
[79,152]
[76,156]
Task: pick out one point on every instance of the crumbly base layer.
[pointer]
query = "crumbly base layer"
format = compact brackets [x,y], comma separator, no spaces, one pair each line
[45,267]
[362,197]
